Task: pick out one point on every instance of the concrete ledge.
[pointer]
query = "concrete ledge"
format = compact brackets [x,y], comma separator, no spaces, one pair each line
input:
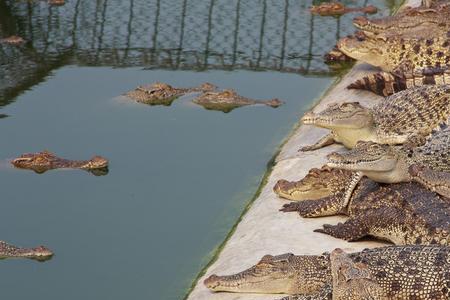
[265,230]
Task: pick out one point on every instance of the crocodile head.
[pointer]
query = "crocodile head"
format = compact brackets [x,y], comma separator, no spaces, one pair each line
[96,162]
[39,162]
[365,156]
[40,253]
[349,115]
[369,50]
[286,273]
[318,183]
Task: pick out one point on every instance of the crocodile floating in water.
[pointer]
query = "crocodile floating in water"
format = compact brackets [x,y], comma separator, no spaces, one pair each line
[395,120]
[402,272]
[338,9]
[13,40]
[402,213]
[10,251]
[43,161]
[164,94]
[227,100]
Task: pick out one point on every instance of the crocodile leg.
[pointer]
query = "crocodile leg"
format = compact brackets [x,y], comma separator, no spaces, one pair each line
[323,142]
[385,223]
[327,206]
[324,294]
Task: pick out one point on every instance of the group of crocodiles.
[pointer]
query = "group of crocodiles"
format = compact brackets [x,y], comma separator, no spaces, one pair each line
[225,100]
[393,182]
[41,162]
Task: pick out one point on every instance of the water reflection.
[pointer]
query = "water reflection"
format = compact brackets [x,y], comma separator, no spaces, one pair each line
[189,35]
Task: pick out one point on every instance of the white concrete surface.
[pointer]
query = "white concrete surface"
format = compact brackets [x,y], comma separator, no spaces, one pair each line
[265,230]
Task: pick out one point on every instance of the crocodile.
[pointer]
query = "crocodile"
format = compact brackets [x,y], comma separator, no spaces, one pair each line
[40,253]
[395,120]
[403,272]
[338,9]
[56,2]
[227,100]
[43,161]
[390,163]
[164,94]
[353,280]
[13,40]
[401,213]
[405,62]
[436,181]
[398,53]
[412,21]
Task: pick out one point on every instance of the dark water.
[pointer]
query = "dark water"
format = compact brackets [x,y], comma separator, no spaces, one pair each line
[179,175]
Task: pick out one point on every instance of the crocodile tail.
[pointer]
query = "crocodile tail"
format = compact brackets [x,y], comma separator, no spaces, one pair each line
[381,83]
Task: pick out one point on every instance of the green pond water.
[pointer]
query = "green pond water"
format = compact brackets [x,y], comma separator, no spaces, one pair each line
[179,176]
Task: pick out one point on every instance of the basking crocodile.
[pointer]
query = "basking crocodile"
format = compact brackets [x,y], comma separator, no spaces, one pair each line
[43,161]
[389,163]
[406,62]
[353,280]
[413,112]
[10,251]
[13,40]
[164,94]
[403,272]
[398,53]
[418,21]
[338,9]
[436,181]
[402,213]
[227,100]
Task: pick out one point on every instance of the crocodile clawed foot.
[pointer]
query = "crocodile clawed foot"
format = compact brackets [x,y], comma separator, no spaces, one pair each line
[306,149]
[335,231]
[290,207]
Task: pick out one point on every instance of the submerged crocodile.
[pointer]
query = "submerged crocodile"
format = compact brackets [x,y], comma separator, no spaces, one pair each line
[353,280]
[436,181]
[43,161]
[338,9]
[227,100]
[13,40]
[402,213]
[402,272]
[164,94]
[10,251]
[390,163]
[395,120]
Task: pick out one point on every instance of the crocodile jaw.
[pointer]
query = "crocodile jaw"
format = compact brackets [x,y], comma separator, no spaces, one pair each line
[364,51]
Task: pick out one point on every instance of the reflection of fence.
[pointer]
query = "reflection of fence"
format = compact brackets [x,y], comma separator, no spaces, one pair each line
[179,34]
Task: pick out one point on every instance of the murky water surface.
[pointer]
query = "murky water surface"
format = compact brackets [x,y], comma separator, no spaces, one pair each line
[179,175]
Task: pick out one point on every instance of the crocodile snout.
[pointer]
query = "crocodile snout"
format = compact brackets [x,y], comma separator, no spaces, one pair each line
[211,282]
[281,185]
